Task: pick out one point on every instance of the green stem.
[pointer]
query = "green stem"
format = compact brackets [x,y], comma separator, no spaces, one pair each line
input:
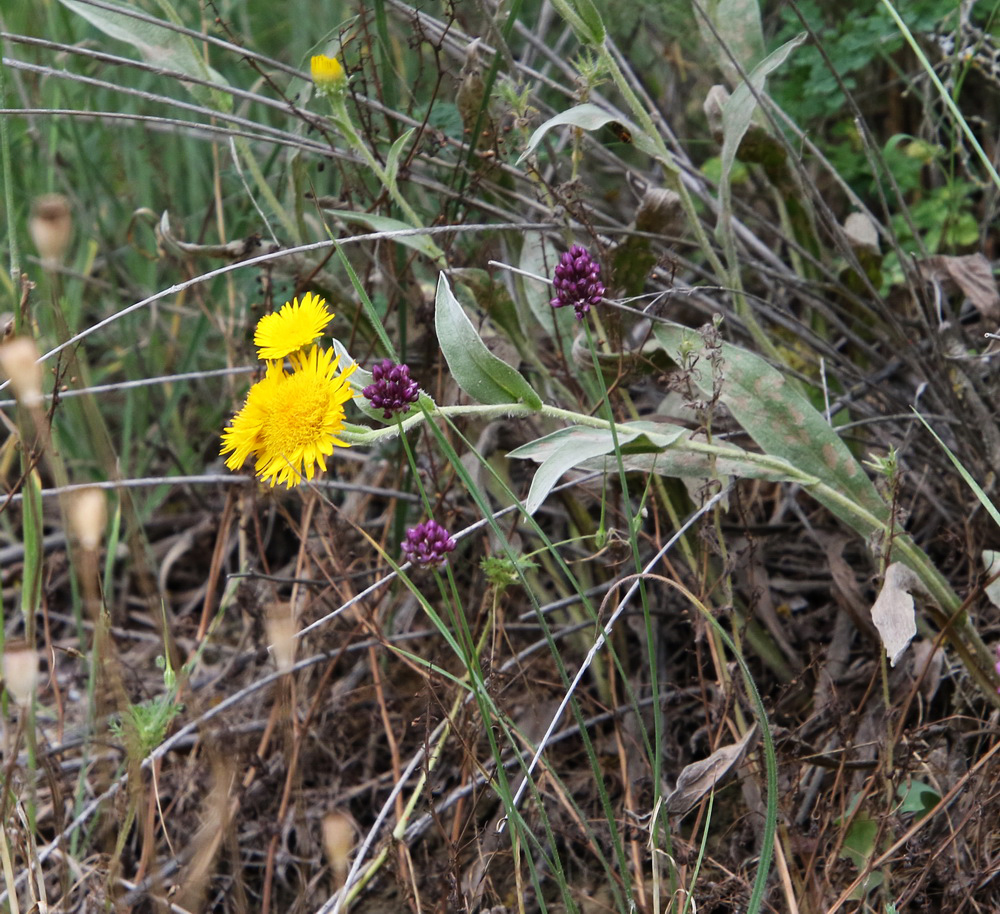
[342,120]
[962,634]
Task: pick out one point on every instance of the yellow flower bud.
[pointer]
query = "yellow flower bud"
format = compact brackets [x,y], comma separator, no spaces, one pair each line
[327,73]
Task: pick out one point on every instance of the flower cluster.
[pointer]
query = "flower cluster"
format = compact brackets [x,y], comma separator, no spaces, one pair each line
[392,389]
[290,420]
[577,281]
[428,544]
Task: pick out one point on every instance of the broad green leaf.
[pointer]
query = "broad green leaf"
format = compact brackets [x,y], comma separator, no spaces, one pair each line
[740,34]
[782,422]
[568,447]
[591,18]
[158,45]
[738,112]
[684,464]
[587,117]
[476,370]
[917,797]
[422,244]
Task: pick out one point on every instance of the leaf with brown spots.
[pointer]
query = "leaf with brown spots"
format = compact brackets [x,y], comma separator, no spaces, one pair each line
[782,422]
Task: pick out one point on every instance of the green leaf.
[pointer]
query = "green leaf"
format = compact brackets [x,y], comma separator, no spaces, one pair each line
[741,36]
[158,45]
[737,114]
[568,447]
[587,117]
[476,370]
[422,244]
[782,422]
[917,797]
[394,155]
[591,18]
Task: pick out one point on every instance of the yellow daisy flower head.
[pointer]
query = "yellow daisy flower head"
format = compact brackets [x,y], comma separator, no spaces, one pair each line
[327,72]
[292,328]
[291,420]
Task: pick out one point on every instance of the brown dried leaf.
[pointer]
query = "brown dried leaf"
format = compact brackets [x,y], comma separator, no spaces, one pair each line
[698,778]
[972,274]
[893,612]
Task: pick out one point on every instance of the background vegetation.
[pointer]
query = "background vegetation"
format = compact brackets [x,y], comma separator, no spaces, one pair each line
[658,689]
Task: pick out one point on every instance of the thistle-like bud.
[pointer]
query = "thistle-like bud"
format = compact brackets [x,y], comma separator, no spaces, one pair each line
[392,389]
[51,227]
[19,361]
[577,281]
[428,544]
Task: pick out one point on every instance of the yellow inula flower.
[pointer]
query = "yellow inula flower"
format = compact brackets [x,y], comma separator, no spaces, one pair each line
[327,72]
[290,420]
[292,328]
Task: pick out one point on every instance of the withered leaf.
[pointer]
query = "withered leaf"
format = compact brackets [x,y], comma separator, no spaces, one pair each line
[697,779]
[893,612]
[972,274]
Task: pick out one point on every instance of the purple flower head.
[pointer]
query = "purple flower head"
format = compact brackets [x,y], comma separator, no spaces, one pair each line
[392,389]
[577,281]
[427,544]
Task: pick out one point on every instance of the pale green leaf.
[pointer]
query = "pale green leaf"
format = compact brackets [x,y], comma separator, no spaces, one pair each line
[160,46]
[475,369]
[422,244]
[587,117]
[738,112]
[566,448]
[782,422]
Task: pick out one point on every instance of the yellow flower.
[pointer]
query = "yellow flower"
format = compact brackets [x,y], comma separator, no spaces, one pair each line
[327,72]
[292,328]
[290,420]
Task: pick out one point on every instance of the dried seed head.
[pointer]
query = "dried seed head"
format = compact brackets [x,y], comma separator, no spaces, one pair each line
[87,515]
[281,631]
[338,839]
[51,228]
[19,361]
[20,671]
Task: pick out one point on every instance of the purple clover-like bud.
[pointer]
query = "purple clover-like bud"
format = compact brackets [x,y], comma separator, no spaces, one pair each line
[577,281]
[427,544]
[392,389]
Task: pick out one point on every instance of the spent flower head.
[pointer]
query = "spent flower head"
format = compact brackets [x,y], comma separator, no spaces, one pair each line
[428,544]
[577,281]
[392,389]
[295,326]
[327,73]
[290,420]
